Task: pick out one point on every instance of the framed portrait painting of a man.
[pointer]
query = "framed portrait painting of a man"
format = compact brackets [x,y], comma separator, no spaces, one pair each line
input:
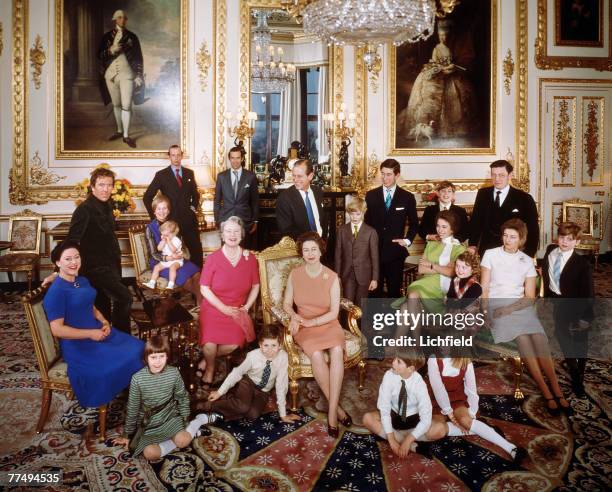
[579,22]
[441,89]
[120,84]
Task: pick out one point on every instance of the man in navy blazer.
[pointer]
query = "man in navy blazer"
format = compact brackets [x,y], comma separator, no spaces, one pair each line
[495,205]
[568,280]
[236,194]
[292,216]
[446,197]
[389,207]
[179,185]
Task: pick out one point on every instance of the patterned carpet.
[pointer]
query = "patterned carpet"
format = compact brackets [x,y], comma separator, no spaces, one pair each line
[266,454]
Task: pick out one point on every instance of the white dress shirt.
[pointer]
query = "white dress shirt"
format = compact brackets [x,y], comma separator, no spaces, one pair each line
[315,209]
[442,206]
[391,189]
[235,174]
[418,401]
[355,225]
[552,259]
[502,195]
[469,384]
[444,260]
[253,366]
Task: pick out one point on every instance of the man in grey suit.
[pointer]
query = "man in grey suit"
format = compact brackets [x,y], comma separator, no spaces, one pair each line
[236,194]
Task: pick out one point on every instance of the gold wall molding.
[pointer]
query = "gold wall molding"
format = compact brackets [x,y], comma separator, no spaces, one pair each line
[40,175]
[564,139]
[544,61]
[37,60]
[360,104]
[428,185]
[593,138]
[220,60]
[508,71]
[1,39]
[203,61]
[522,170]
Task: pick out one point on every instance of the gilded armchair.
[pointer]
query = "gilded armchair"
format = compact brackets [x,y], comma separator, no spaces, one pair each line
[275,264]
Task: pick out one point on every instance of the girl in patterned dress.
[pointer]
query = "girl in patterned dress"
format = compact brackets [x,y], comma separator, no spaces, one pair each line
[158,407]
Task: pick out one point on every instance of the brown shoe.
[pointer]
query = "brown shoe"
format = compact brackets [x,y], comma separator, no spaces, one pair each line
[115,136]
[130,142]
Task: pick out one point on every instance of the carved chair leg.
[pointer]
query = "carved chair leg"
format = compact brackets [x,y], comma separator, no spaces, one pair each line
[44,409]
[518,373]
[362,371]
[29,280]
[293,388]
[102,419]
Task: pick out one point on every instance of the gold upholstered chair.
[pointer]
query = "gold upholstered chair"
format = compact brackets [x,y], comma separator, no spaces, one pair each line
[23,255]
[53,369]
[275,264]
[142,270]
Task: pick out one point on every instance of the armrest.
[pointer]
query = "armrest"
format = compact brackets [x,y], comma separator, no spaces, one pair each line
[354,313]
[282,317]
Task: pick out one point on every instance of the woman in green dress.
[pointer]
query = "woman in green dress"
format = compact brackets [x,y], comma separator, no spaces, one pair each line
[437,265]
[158,407]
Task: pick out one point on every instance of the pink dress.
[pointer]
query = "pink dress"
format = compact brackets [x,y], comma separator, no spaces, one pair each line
[231,284]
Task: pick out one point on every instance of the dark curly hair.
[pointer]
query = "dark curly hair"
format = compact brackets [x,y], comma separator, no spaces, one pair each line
[310,236]
[471,259]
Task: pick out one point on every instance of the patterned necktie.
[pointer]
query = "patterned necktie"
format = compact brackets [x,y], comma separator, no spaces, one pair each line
[355,231]
[497,200]
[388,199]
[403,401]
[265,377]
[310,213]
[557,270]
[179,180]
[235,183]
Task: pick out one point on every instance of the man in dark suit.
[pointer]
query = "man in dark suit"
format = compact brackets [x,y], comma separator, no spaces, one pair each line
[356,255]
[388,209]
[236,194]
[179,185]
[495,205]
[568,280]
[446,197]
[300,207]
[93,226]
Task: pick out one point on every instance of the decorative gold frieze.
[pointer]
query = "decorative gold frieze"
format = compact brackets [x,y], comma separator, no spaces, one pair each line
[563,140]
[220,55]
[592,140]
[564,118]
[1,39]
[40,175]
[203,60]
[360,97]
[508,71]
[37,60]
[521,166]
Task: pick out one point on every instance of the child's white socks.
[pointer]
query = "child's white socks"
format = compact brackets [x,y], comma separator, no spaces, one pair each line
[150,284]
[166,447]
[170,285]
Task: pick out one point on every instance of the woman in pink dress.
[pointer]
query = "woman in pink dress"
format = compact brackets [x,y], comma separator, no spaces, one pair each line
[315,290]
[229,285]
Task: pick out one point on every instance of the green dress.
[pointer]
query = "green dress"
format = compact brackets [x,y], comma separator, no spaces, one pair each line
[157,409]
[429,288]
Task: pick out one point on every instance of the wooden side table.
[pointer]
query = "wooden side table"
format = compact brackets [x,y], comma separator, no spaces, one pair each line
[165,316]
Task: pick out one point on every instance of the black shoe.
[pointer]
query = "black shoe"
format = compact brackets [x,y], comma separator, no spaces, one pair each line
[553,411]
[347,421]
[115,136]
[424,449]
[567,410]
[130,142]
[519,455]
[333,431]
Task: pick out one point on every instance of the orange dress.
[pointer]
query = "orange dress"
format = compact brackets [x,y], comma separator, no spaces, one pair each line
[312,298]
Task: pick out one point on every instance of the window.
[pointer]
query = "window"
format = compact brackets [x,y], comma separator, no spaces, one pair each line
[265,139]
[309,84]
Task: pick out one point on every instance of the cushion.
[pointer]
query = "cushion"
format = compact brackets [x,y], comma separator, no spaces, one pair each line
[141,254]
[13,260]
[58,372]
[277,271]
[49,343]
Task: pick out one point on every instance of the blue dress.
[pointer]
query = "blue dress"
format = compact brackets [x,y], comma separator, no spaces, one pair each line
[184,273]
[97,371]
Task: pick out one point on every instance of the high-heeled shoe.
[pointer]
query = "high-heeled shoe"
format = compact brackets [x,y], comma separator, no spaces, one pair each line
[332,431]
[567,410]
[347,421]
[553,411]
[519,455]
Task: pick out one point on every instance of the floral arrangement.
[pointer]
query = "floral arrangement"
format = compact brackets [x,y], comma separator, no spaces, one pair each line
[121,196]
[429,197]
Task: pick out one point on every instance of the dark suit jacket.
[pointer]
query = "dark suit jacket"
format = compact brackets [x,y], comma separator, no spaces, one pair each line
[93,226]
[359,255]
[485,224]
[391,224]
[576,282]
[428,221]
[245,205]
[291,215]
[182,199]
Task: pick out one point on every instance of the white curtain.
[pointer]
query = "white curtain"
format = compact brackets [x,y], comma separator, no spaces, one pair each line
[289,128]
[322,146]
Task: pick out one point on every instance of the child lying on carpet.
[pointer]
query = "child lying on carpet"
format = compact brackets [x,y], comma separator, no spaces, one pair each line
[404,407]
[158,407]
[244,393]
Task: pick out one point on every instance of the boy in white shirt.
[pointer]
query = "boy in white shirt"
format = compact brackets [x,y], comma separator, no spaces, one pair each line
[404,407]
[244,393]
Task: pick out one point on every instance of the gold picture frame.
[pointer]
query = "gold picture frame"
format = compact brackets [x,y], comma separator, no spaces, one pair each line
[587,215]
[80,90]
[404,138]
[546,61]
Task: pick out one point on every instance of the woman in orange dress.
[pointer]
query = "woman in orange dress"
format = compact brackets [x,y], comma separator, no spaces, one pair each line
[315,290]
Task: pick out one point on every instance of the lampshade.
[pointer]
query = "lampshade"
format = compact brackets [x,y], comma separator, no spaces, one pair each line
[203,176]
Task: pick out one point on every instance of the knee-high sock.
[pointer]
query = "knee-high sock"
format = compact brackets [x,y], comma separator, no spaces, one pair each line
[125,119]
[166,447]
[486,432]
[194,426]
[117,111]
[454,431]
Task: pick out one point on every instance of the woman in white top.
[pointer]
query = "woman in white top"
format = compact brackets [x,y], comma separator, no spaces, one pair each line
[454,386]
[508,280]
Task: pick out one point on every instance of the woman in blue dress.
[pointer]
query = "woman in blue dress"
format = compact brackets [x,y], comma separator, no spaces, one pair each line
[100,358]
[187,276]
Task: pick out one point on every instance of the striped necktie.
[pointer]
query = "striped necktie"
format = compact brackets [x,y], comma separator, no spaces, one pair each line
[265,377]
[388,199]
[403,401]
[557,270]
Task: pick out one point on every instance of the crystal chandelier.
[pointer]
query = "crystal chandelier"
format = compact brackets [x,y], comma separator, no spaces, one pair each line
[268,71]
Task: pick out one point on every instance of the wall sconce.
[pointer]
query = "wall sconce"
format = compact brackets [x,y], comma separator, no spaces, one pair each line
[340,126]
[242,125]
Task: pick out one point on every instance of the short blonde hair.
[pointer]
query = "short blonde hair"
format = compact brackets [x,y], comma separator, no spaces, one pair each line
[169,226]
[356,204]
[159,198]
